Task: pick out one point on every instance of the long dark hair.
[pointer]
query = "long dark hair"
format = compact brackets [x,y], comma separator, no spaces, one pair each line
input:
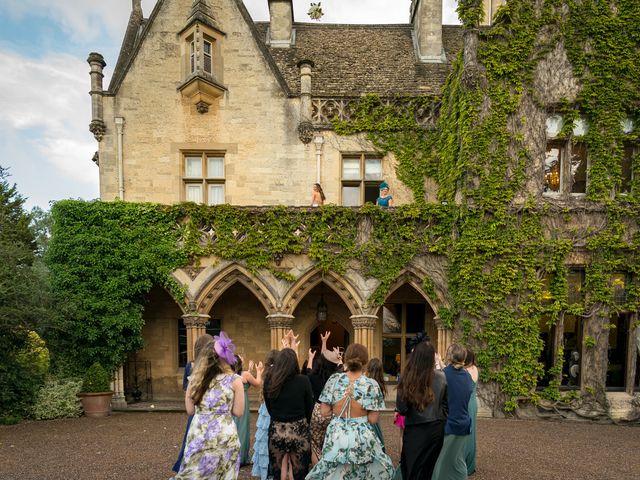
[284,367]
[320,191]
[415,386]
[374,371]
[323,369]
[470,359]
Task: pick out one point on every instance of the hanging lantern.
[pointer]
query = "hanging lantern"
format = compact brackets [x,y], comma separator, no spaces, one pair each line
[322,311]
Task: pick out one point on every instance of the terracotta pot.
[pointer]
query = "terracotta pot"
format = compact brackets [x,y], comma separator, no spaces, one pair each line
[96,404]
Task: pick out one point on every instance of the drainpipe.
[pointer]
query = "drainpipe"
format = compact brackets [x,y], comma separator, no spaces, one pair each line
[318,140]
[119,128]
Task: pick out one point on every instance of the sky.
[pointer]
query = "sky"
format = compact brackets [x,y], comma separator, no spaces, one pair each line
[45,108]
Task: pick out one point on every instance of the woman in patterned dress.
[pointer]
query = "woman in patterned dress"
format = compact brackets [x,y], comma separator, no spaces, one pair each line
[351,449]
[260,457]
[289,400]
[215,393]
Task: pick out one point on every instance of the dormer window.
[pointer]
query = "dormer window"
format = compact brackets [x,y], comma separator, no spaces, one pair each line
[202,65]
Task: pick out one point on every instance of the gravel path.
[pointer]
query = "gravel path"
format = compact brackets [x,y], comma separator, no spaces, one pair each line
[144,446]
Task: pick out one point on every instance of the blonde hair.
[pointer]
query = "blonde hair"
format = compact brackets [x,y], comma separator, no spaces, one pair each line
[206,368]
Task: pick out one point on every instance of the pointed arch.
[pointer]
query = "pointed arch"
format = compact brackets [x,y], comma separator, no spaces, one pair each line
[228,276]
[344,289]
[414,277]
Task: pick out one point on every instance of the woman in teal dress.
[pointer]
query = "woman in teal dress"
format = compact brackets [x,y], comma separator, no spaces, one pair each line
[385,199]
[242,422]
[351,449]
[374,371]
[470,449]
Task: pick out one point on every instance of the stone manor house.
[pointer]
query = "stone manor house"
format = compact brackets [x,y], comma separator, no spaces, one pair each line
[206,105]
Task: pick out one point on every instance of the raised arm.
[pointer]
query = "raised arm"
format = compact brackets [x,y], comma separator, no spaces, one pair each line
[250,379]
[238,398]
[188,402]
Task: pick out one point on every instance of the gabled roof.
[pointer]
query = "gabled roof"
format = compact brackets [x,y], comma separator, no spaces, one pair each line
[132,42]
[350,60]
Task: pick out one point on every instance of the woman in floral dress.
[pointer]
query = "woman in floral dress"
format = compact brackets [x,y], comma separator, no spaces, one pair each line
[351,449]
[215,393]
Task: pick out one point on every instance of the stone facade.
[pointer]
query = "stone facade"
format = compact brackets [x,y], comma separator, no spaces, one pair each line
[202,80]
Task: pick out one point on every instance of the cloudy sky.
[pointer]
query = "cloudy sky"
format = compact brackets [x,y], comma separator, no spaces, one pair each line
[44,82]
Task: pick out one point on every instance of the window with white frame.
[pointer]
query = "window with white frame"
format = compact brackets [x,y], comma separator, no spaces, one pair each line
[566,161]
[201,54]
[203,178]
[361,175]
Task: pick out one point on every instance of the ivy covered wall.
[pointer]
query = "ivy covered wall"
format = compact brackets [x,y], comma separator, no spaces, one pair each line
[477,178]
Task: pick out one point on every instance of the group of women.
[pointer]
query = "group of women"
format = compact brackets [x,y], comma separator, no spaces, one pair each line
[322,422]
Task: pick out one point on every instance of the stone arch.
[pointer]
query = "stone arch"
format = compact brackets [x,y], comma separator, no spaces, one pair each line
[228,276]
[413,276]
[180,303]
[313,277]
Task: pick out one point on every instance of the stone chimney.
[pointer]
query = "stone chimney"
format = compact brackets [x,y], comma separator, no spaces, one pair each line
[97,125]
[426,19]
[281,33]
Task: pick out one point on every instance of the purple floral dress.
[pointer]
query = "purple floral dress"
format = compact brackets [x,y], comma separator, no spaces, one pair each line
[212,449]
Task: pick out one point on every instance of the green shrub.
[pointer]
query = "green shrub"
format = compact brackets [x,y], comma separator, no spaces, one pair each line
[96,379]
[57,399]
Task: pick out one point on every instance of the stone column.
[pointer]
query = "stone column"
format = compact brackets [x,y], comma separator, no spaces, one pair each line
[196,324]
[280,324]
[363,327]
[118,400]
[445,338]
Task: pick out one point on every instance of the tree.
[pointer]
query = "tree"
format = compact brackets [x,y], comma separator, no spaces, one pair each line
[23,302]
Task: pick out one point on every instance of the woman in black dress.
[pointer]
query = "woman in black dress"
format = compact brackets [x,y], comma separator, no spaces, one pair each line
[422,400]
[289,401]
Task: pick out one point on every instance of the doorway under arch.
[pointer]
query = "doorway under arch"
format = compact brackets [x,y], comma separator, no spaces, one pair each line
[404,313]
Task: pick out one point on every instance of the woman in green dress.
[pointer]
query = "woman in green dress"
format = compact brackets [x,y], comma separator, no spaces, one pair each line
[470,449]
[451,464]
[242,423]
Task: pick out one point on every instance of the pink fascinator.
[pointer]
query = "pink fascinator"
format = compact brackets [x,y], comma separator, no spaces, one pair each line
[225,348]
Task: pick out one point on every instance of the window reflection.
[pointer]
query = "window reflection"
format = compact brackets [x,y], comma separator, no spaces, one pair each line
[572,341]
[578,168]
[552,168]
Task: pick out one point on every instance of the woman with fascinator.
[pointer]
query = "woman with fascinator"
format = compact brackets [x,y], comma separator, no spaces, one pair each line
[214,394]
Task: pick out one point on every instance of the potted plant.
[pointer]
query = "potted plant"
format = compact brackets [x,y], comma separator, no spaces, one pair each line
[96,392]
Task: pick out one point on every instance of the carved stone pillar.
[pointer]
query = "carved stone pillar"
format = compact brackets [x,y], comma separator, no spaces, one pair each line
[280,324]
[196,324]
[363,328]
[118,400]
[445,338]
